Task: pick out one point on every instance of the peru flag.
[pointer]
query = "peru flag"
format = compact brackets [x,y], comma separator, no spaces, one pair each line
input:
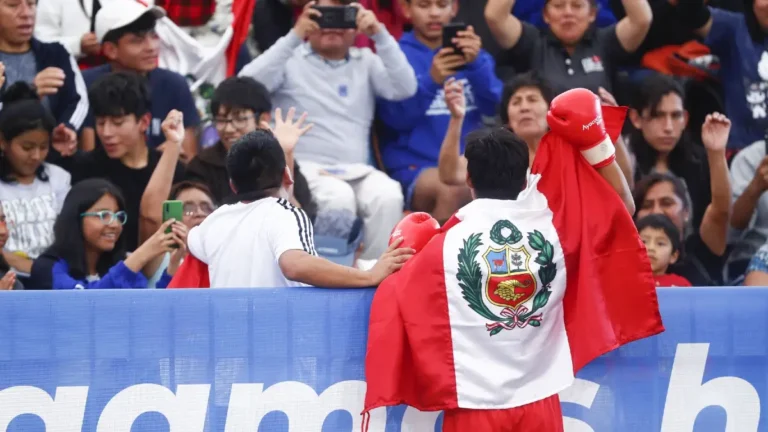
[192,273]
[512,298]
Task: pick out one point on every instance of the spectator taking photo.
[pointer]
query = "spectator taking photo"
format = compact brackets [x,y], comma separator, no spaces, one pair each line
[337,85]
[413,128]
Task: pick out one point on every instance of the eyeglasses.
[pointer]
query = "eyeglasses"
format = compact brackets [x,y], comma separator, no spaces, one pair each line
[190,209]
[239,122]
[107,217]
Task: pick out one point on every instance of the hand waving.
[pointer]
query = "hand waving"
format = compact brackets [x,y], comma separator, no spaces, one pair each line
[454,98]
[715,131]
[286,130]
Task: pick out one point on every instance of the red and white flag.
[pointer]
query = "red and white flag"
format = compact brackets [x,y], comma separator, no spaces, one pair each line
[192,273]
[512,298]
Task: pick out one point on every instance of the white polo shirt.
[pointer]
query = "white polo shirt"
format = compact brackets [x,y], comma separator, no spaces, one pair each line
[241,243]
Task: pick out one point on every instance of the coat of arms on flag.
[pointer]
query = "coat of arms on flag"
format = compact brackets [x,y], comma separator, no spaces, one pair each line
[510,283]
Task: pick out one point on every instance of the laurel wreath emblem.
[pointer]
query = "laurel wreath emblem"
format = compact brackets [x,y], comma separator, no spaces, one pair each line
[470,277]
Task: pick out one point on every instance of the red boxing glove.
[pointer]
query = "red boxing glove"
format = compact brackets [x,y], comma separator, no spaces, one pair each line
[577,117]
[416,230]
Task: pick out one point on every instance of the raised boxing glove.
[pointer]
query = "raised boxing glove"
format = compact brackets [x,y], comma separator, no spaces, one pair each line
[577,117]
[416,230]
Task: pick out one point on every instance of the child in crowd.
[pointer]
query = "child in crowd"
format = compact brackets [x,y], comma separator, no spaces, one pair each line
[31,190]
[413,129]
[88,251]
[662,240]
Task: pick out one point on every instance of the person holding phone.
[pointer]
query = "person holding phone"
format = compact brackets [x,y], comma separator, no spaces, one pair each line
[89,249]
[413,128]
[337,85]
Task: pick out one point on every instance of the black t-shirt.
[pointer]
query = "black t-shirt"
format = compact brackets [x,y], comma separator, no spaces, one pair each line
[592,64]
[131,182]
[699,265]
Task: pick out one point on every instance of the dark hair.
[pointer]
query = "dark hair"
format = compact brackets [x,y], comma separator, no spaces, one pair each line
[241,93]
[68,243]
[526,80]
[22,112]
[181,186]
[303,194]
[649,96]
[255,164]
[662,222]
[647,182]
[497,163]
[118,94]
[143,24]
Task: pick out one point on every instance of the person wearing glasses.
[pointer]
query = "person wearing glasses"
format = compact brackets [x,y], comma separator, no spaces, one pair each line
[239,105]
[121,104]
[198,204]
[89,249]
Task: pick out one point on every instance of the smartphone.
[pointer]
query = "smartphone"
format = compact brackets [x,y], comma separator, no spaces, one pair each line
[450,32]
[173,210]
[336,17]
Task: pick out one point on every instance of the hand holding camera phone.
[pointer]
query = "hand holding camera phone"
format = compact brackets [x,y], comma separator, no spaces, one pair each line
[463,40]
[335,17]
[173,209]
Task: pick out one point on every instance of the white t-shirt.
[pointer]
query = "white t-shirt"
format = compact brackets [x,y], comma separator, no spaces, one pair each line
[31,209]
[241,243]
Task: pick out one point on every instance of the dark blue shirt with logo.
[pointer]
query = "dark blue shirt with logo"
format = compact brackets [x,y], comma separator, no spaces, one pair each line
[743,74]
[168,91]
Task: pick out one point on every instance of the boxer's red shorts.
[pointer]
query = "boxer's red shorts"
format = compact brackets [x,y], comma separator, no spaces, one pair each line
[541,416]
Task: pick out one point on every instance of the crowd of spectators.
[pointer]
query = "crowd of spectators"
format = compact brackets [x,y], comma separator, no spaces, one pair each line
[95,135]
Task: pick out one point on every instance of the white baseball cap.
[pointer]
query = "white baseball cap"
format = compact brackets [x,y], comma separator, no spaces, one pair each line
[119,13]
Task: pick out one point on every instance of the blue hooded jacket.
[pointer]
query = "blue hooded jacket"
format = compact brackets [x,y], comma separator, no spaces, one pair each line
[414,128]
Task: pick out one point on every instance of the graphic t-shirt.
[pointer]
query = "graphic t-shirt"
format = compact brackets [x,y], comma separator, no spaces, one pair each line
[31,209]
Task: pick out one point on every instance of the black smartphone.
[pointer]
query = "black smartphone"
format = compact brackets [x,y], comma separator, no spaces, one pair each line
[450,32]
[336,17]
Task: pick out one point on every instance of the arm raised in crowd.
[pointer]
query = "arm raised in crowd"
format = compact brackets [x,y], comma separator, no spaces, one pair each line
[269,67]
[159,186]
[714,224]
[633,28]
[391,75]
[504,26]
[622,154]
[287,131]
[452,166]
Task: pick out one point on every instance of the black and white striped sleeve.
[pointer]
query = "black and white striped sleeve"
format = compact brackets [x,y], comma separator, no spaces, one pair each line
[293,230]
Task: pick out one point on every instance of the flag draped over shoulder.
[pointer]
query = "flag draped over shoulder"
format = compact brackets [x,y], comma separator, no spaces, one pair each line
[192,273]
[512,298]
